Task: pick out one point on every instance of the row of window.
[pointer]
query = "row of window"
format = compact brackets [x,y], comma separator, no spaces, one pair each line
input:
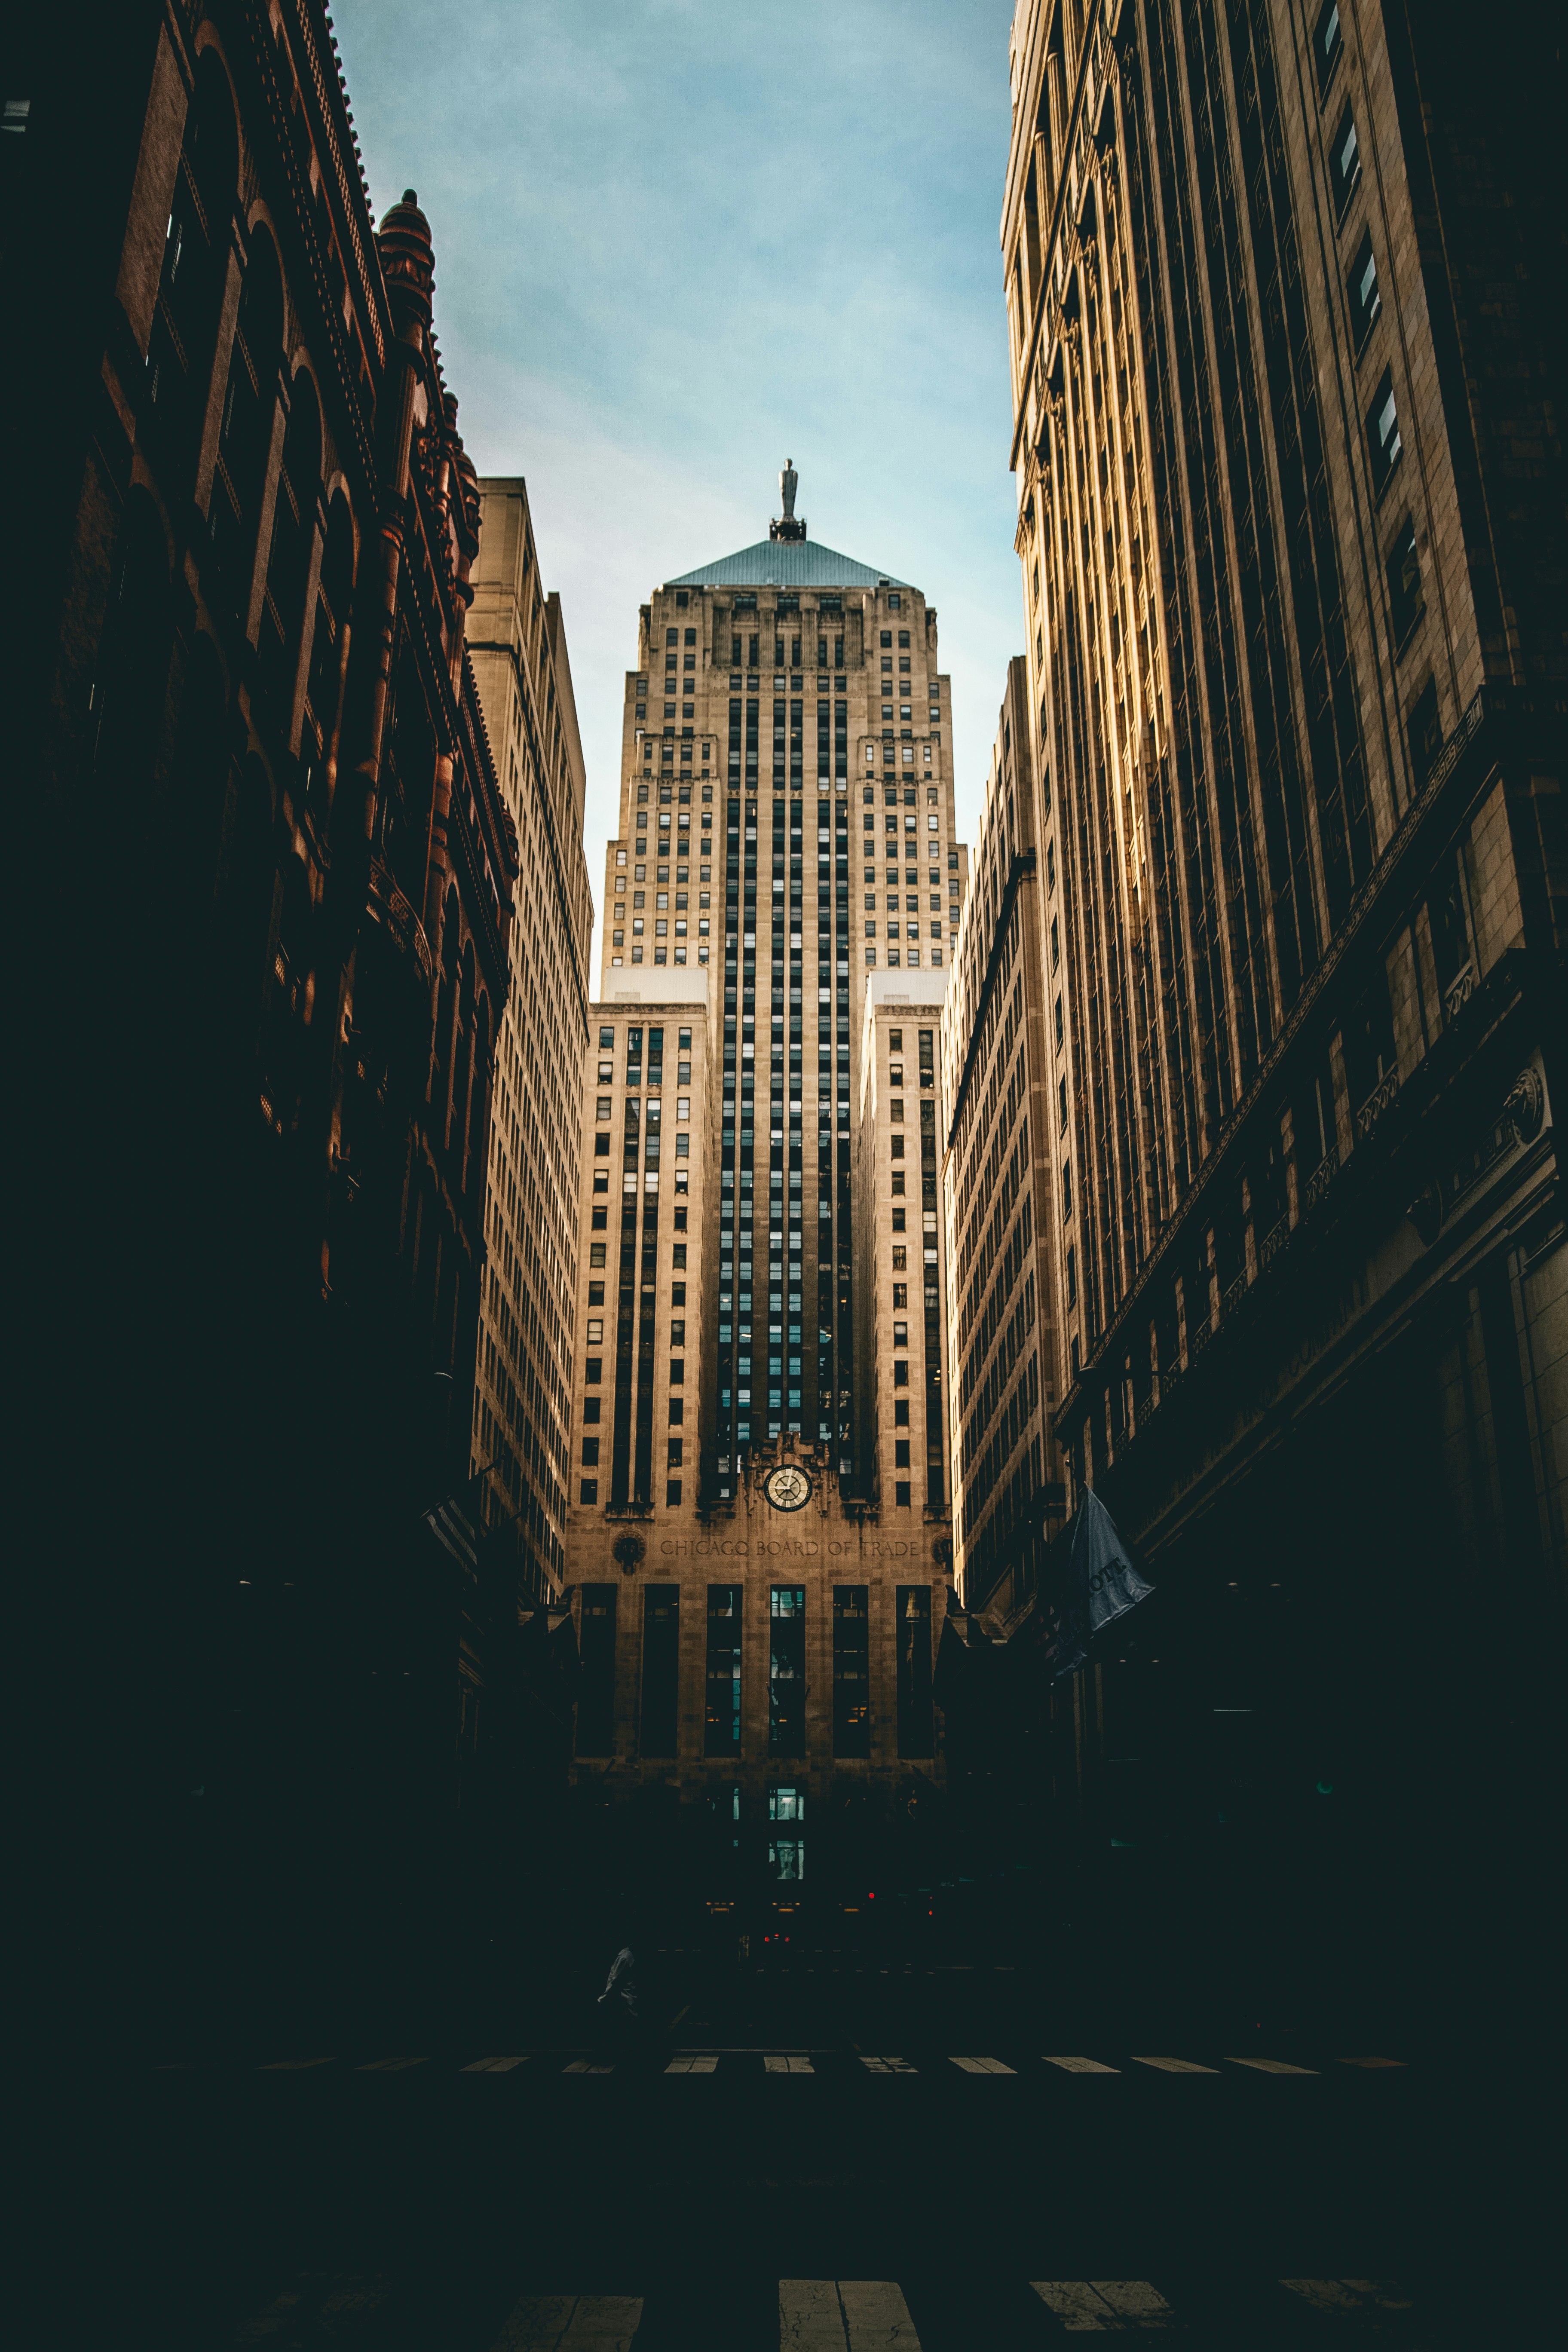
[1385,440]
[657,1730]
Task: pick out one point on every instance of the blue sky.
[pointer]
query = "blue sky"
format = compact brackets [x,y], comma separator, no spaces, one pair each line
[676,242]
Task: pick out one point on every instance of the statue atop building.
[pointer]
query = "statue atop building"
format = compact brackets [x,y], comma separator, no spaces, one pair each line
[786,525]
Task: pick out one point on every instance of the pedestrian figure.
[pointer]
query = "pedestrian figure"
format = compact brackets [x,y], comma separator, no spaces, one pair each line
[620,2005]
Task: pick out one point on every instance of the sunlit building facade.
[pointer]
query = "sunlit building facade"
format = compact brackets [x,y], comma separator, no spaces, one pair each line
[521,1425]
[788,729]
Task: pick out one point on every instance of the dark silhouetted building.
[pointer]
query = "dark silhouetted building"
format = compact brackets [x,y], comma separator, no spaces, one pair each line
[256,748]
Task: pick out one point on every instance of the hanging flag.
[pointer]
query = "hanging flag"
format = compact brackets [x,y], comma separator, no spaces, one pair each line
[1089,1582]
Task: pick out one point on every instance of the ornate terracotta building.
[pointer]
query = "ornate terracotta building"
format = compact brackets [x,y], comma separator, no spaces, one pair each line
[259,740]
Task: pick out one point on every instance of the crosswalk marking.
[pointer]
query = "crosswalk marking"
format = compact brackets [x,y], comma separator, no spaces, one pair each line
[1349,2294]
[788,2065]
[493,2065]
[983,2066]
[578,2323]
[587,2066]
[1086,2306]
[290,2065]
[888,2066]
[1271,2065]
[1177,2065]
[1082,2066]
[690,2065]
[831,2314]
[390,2065]
[1371,2061]
[876,2315]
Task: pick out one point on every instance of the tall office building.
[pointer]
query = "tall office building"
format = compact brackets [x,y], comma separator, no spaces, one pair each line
[758,1645]
[521,1426]
[647,1211]
[862,805]
[1001,1110]
[1283,284]
[900,1374]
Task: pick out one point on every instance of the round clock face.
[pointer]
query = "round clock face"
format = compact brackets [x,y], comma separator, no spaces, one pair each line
[787,1489]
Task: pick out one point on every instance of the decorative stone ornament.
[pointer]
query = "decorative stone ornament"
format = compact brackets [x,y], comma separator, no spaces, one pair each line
[628,1551]
[787,1489]
[407,259]
[1526,1105]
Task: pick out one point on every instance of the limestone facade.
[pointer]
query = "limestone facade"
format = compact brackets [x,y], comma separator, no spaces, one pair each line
[760,1681]
[741,1656]
[1287,367]
[725,781]
[1001,1118]
[900,1250]
[521,1435]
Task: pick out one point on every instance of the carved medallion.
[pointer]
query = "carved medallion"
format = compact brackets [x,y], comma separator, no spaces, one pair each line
[1526,1106]
[787,1489]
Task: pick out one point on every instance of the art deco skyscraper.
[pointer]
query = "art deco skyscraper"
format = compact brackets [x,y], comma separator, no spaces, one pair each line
[758,1636]
[717,801]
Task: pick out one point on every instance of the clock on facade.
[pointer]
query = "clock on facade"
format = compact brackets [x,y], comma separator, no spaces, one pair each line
[787,1489]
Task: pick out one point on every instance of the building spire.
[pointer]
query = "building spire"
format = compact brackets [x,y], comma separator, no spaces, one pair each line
[787,525]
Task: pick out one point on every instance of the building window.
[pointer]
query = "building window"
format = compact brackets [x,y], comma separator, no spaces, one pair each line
[914,1668]
[1425,732]
[722,1735]
[787,1845]
[588,1491]
[1072,1277]
[1365,300]
[1328,43]
[1344,162]
[786,1671]
[596,1675]
[590,1454]
[595,1330]
[660,1669]
[1405,602]
[851,1670]
[1383,442]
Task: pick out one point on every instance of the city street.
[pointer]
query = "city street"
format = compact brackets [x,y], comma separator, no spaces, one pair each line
[794,1355]
[816,2157]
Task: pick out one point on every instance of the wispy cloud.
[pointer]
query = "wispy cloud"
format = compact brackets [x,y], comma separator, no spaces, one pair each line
[675,241]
